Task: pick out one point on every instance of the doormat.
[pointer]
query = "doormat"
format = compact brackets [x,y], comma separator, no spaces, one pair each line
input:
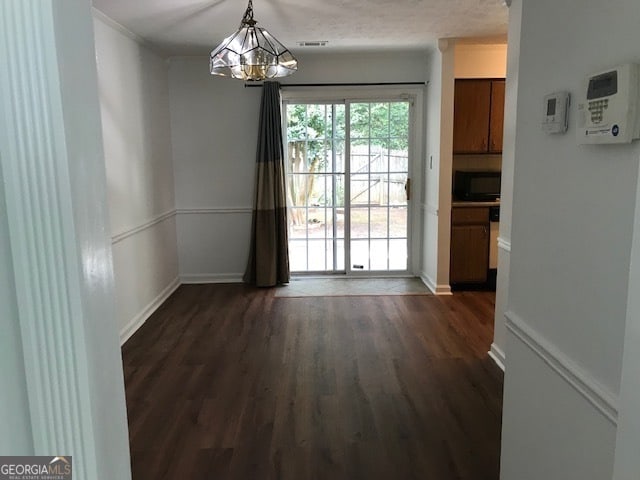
[346,287]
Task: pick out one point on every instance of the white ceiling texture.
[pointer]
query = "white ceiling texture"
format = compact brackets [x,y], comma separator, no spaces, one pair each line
[195,27]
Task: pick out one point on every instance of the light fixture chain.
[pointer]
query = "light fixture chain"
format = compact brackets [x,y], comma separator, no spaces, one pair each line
[247,19]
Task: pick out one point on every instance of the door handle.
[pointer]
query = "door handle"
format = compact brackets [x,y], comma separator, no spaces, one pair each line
[407,189]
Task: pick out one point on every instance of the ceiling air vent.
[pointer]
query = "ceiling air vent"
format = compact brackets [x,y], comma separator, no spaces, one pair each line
[313,43]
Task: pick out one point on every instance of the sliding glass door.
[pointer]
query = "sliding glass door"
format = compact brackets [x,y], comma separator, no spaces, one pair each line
[347,186]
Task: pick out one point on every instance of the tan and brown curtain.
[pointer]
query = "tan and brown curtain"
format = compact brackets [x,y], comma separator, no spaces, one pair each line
[269,256]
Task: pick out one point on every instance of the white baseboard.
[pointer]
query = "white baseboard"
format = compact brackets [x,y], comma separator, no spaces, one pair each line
[605,401]
[433,287]
[497,355]
[137,321]
[195,278]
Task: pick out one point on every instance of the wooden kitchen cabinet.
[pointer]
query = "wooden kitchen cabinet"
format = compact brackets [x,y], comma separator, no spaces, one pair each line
[478,116]
[496,119]
[469,245]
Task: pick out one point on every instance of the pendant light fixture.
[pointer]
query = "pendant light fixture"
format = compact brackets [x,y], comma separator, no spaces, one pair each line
[251,53]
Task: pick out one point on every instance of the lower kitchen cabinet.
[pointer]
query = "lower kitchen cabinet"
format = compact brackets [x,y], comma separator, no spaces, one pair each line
[469,245]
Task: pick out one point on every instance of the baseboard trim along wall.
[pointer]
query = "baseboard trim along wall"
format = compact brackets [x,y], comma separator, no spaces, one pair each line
[132,327]
[154,221]
[211,278]
[497,355]
[605,401]
[431,285]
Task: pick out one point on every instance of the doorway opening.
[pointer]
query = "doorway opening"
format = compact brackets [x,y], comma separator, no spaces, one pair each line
[348,186]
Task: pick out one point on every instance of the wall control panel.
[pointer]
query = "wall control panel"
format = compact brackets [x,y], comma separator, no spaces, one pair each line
[556,112]
[608,107]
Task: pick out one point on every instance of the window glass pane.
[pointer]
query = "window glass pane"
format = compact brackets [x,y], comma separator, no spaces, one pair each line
[339,165]
[339,222]
[378,254]
[316,156]
[340,121]
[316,122]
[298,255]
[297,218]
[328,120]
[398,254]
[378,222]
[397,192]
[329,254]
[399,125]
[378,188]
[398,222]
[359,120]
[359,189]
[398,161]
[339,190]
[359,223]
[316,222]
[379,120]
[317,255]
[359,156]
[340,255]
[297,156]
[360,255]
[379,156]
[310,190]
[296,122]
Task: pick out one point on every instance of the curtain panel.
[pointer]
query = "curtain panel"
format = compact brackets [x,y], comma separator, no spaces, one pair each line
[268,263]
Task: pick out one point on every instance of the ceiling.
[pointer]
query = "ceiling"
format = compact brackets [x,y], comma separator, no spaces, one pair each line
[194,27]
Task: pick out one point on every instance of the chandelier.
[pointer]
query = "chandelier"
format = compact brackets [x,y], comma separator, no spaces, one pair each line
[251,53]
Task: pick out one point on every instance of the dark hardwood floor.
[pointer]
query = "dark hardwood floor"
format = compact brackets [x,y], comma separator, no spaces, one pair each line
[228,382]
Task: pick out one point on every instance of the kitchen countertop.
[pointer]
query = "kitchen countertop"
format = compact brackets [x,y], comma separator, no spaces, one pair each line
[462,203]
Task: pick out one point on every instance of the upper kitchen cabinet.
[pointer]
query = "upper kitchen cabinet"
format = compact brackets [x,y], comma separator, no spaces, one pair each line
[478,116]
[496,120]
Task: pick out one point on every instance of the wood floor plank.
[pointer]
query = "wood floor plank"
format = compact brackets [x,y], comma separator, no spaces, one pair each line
[228,381]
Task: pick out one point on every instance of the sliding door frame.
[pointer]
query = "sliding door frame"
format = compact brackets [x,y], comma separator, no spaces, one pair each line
[416,148]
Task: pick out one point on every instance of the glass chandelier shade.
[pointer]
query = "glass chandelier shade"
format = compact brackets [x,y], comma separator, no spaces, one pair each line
[252,53]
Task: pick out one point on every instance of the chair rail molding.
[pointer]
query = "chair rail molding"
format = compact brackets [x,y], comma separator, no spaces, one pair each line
[144,226]
[213,210]
[605,401]
[504,244]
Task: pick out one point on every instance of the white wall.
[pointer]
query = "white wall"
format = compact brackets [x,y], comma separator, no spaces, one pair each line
[627,461]
[56,213]
[450,61]
[571,235]
[134,101]
[15,436]
[438,168]
[214,130]
[431,182]
[214,124]
[498,346]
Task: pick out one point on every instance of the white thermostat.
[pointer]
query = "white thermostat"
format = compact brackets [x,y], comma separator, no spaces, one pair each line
[556,112]
[608,109]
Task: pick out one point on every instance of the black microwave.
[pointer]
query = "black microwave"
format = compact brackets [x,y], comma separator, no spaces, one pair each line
[476,186]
